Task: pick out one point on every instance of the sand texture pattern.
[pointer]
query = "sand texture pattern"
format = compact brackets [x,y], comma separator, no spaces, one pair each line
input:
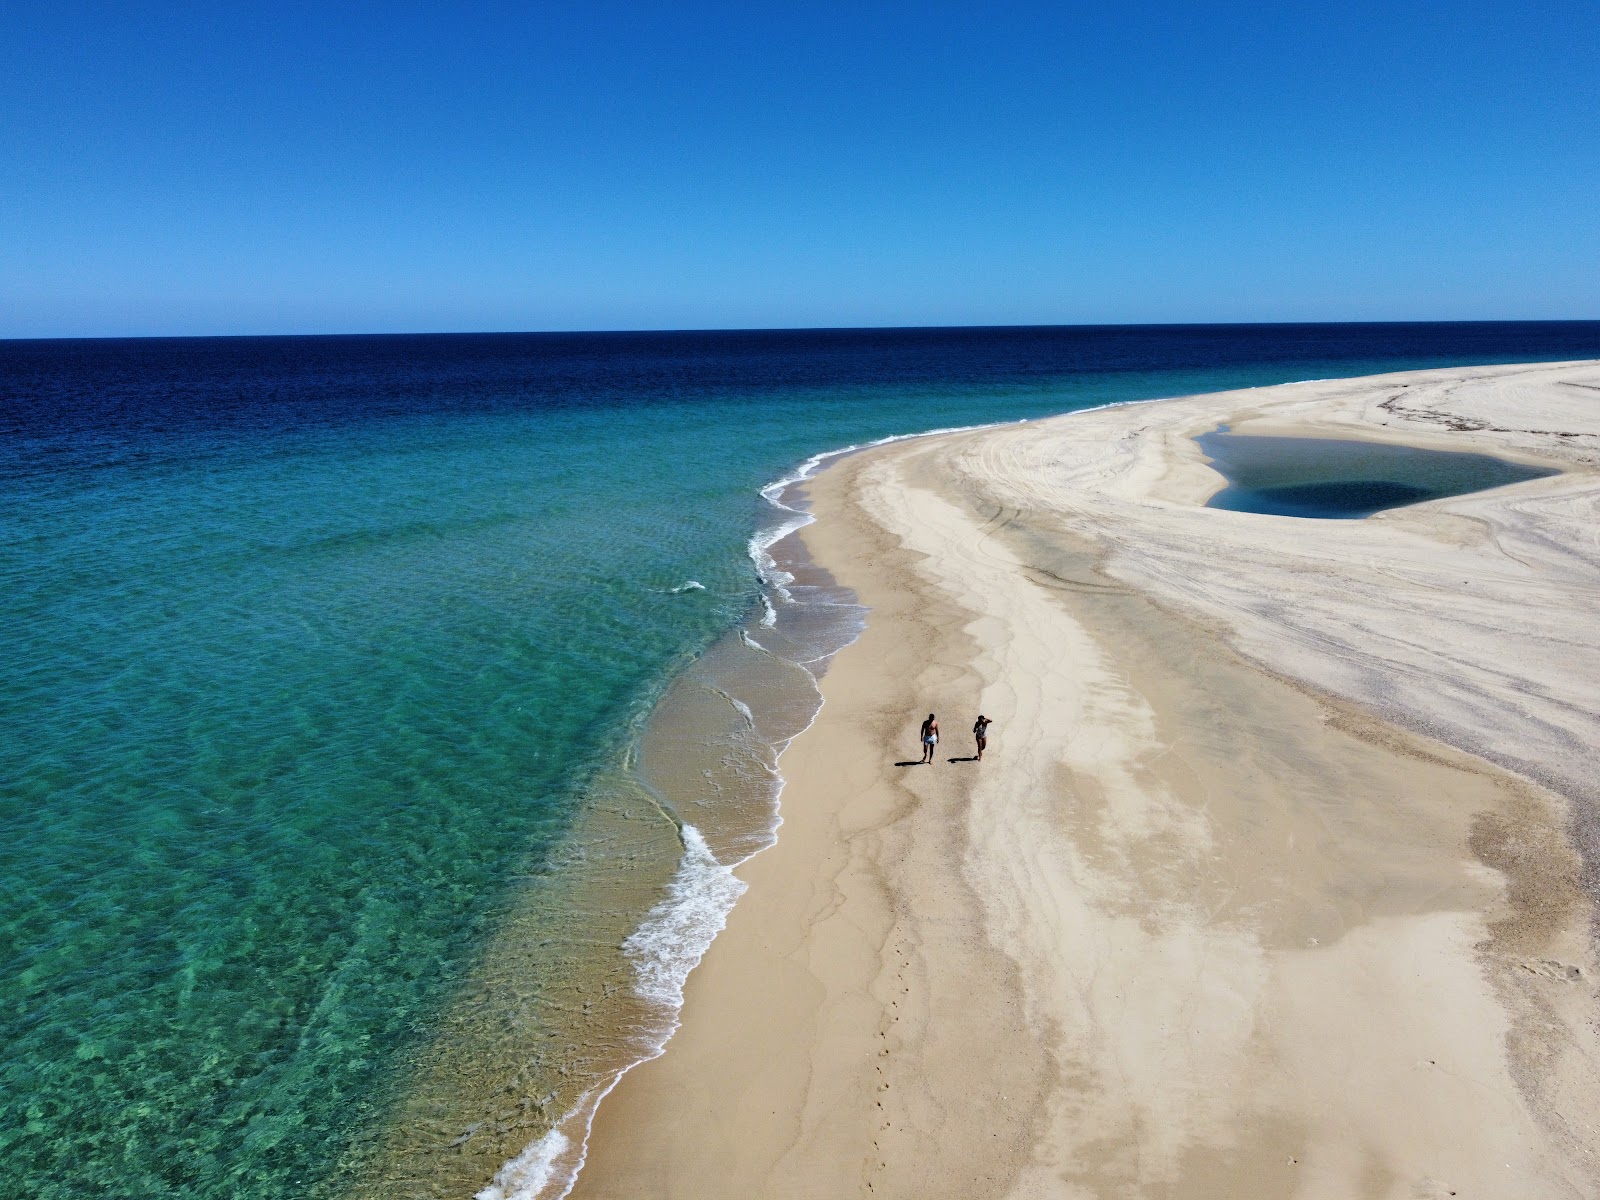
[1277,879]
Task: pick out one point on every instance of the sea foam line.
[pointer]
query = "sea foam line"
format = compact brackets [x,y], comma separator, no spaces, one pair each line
[678,930]
[669,943]
[760,544]
[773,578]
[531,1172]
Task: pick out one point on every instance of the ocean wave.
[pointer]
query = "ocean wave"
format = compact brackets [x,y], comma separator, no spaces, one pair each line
[530,1174]
[668,944]
[746,714]
[692,585]
[676,933]
[774,579]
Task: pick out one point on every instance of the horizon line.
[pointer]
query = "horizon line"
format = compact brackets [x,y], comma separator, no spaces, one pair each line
[755,329]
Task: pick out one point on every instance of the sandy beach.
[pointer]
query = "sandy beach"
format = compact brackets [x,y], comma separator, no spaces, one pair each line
[1278,878]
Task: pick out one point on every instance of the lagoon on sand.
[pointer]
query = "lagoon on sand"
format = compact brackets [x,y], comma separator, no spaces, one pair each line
[1340,479]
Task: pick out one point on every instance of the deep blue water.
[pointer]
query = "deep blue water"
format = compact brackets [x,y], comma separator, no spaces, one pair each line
[309,647]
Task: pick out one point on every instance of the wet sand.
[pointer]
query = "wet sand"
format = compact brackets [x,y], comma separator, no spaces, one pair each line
[1273,881]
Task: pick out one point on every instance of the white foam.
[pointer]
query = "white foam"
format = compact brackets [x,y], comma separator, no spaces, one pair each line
[774,579]
[740,707]
[769,614]
[529,1174]
[676,933]
[669,943]
[693,585]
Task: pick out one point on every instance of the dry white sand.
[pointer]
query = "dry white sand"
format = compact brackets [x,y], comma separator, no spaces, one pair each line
[1272,882]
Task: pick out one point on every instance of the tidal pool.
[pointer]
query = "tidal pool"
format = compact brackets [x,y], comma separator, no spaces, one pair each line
[1331,479]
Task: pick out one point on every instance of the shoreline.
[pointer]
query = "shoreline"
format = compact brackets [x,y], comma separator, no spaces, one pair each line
[707,755]
[829,1043]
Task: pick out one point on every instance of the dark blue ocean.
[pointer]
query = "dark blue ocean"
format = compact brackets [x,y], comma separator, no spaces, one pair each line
[325,666]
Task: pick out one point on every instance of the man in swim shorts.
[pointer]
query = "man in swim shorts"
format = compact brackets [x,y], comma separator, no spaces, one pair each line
[980,730]
[930,737]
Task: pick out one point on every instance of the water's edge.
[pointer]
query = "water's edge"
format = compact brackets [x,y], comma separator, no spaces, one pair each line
[711,750]
[721,785]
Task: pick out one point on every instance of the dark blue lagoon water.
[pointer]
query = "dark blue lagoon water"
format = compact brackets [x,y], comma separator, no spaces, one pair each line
[339,856]
[1336,479]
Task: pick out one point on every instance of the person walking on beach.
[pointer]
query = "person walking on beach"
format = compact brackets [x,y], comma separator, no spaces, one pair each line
[930,737]
[980,730]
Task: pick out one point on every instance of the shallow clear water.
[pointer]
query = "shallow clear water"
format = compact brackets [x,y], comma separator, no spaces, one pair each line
[1334,479]
[322,663]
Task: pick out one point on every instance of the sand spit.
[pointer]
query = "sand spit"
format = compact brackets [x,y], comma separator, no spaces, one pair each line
[1273,882]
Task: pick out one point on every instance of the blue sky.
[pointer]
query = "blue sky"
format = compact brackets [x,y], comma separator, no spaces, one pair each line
[341,168]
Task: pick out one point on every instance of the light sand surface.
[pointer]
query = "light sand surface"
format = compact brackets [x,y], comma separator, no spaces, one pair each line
[1273,881]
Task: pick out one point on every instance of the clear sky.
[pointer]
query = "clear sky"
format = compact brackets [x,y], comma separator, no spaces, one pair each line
[224,168]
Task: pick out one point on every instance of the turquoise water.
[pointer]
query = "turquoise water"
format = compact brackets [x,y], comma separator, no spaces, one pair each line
[314,651]
[1334,479]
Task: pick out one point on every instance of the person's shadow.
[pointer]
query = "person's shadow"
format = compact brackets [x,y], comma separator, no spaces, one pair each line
[971,758]
[911,762]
